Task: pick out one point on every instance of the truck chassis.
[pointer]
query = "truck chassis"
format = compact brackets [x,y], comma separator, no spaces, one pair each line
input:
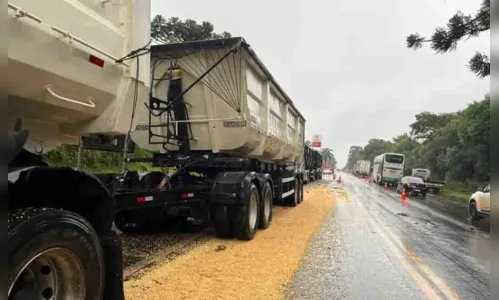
[210,187]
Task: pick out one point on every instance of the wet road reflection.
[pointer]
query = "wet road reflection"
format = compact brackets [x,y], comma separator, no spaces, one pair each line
[373,247]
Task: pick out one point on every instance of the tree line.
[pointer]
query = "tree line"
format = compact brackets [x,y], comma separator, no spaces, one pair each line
[453,146]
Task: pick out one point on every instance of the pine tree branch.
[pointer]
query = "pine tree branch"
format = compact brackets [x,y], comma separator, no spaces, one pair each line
[480,65]
[459,26]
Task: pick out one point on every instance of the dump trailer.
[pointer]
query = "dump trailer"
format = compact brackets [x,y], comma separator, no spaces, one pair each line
[75,68]
[312,164]
[211,111]
[234,138]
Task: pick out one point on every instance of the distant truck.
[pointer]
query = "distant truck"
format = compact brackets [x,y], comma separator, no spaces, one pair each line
[311,166]
[362,168]
[433,186]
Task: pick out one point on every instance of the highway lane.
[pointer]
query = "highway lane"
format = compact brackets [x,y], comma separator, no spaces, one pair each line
[375,246]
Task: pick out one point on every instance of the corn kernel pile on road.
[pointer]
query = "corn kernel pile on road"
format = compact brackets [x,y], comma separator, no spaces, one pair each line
[348,240]
[232,269]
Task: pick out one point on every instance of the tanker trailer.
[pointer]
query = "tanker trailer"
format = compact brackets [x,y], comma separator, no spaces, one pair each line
[234,138]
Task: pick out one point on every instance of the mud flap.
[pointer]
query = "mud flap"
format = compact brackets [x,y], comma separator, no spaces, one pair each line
[113,257]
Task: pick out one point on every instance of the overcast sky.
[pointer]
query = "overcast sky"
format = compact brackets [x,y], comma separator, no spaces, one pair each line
[345,64]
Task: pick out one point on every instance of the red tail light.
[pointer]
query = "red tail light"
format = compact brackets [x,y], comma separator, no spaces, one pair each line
[187,195]
[96,61]
[144,199]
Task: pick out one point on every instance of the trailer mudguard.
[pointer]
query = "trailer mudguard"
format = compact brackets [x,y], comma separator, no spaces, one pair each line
[80,192]
[234,187]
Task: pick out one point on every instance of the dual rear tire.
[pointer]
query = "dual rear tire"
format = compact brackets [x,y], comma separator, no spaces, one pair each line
[244,220]
[297,197]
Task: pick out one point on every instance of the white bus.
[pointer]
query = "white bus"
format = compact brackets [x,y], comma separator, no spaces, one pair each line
[388,168]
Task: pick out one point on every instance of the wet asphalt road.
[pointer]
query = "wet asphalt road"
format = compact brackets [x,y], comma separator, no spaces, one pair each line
[374,247]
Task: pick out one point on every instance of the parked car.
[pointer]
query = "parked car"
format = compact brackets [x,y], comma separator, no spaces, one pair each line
[412,185]
[479,203]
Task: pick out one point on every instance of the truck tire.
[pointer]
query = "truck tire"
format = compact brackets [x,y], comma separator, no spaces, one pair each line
[245,217]
[220,218]
[297,190]
[294,198]
[53,252]
[266,207]
[300,197]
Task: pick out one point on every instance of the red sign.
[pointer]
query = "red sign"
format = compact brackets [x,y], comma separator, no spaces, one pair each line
[316,141]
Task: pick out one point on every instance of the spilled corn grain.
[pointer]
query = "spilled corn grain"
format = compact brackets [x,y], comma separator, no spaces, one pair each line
[232,269]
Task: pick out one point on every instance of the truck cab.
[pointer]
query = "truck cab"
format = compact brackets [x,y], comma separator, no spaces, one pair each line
[421,173]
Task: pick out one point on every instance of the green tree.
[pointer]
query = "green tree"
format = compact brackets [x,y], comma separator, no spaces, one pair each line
[406,145]
[427,123]
[376,147]
[95,161]
[328,157]
[454,146]
[175,30]
[459,26]
[354,154]
[473,150]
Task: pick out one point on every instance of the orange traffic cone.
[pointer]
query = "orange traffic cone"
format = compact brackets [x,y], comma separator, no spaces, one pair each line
[386,186]
[403,196]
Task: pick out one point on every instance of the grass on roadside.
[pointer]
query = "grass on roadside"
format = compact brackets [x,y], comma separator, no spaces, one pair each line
[460,191]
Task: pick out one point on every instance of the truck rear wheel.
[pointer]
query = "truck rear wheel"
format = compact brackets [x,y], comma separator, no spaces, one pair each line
[293,199]
[220,218]
[300,189]
[245,217]
[266,207]
[53,253]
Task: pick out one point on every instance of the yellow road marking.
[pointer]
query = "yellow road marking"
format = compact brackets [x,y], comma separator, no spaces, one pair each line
[420,280]
[442,286]
[402,251]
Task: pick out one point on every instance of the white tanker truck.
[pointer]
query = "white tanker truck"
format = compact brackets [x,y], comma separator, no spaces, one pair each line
[84,72]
